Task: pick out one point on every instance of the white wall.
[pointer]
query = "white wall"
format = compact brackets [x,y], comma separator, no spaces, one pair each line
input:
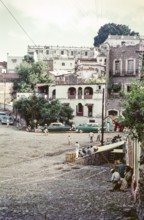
[62,95]
[64,64]
[12,62]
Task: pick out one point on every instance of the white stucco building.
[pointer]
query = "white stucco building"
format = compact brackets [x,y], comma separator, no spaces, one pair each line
[64,64]
[85,100]
[119,40]
[13,62]
[52,52]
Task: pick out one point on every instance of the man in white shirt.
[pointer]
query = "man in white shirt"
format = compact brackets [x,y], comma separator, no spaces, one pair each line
[91,135]
[115,179]
[77,148]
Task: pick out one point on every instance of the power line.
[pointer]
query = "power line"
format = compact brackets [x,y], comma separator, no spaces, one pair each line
[18,23]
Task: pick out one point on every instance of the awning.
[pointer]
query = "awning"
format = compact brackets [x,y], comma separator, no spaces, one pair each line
[118,151]
[110,146]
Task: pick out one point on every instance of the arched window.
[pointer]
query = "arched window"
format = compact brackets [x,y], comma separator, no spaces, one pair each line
[71,93]
[79,109]
[54,94]
[88,93]
[112,112]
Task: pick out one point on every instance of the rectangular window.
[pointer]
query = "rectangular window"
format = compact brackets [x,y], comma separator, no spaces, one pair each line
[72,53]
[92,121]
[128,88]
[62,52]
[47,52]
[86,53]
[14,60]
[130,68]
[117,66]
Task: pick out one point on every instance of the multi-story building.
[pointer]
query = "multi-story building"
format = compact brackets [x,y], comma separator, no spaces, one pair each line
[84,99]
[52,52]
[119,40]
[124,62]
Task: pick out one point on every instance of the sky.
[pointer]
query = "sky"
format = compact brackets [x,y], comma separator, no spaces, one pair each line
[62,22]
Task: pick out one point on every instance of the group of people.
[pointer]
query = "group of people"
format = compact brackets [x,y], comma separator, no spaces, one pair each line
[91,136]
[84,151]
[121,177]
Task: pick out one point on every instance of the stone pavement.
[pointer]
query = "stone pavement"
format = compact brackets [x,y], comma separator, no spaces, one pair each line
[76,193]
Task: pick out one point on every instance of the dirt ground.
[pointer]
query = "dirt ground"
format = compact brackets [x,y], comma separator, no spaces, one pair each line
[37,184]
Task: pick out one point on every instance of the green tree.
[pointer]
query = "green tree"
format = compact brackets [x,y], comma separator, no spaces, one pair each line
[30,74]
[43,111]
[30,109]
[113,29]
[134,119]
[134,110]
[28,59]
[55,111]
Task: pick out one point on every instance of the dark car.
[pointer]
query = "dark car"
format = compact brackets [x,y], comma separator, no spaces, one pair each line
[89,127]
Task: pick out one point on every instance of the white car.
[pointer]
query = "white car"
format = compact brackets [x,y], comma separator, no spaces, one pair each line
[4,120]
[2,114]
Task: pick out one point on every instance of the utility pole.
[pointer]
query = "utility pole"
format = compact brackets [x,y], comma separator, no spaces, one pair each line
[4,94]
[102,130]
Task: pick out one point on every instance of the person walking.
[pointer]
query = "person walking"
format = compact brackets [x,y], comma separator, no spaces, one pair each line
[8,122]
[46,130]
[91,135]
[77,148]
[69,139]
[99,135]
[17,122]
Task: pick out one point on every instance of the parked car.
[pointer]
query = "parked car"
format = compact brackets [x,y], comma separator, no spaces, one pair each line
[2,114]
[57,126]
[89,127]
[4,120]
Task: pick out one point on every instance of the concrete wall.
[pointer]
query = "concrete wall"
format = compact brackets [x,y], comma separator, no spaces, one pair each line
[64,64]
[6,89]
[13,62]
[94,159]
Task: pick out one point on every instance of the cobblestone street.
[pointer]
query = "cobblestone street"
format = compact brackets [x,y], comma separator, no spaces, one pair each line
[37,184]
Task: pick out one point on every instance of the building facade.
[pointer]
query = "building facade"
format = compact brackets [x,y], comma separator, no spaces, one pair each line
[84,99]
[52,52]
[13,62]
[124,64]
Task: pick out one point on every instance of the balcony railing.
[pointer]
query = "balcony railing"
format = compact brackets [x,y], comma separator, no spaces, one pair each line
[71,96]
[88,96]
[79,96]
